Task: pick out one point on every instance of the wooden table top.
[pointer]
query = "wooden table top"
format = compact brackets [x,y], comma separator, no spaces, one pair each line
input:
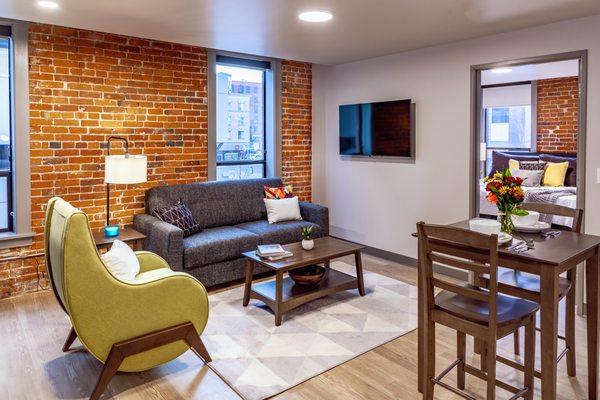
[126,234]
[325,249]
[553,251]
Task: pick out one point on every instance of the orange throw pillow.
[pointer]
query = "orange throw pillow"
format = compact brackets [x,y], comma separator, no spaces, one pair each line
[282,192]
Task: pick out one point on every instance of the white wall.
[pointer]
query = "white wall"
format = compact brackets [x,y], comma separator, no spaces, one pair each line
[378,203]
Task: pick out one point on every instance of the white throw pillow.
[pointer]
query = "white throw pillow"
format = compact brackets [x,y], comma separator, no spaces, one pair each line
[283,210]
[121,261]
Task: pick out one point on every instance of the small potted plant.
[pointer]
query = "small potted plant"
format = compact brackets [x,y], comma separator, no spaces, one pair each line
[307,237]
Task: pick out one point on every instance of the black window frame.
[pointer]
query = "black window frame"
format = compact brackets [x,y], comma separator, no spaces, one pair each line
[6,33]
[255,64]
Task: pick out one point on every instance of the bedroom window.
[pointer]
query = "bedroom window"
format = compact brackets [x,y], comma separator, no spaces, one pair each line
[508,127]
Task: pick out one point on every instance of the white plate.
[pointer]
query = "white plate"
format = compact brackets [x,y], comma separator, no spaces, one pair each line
[537,227]
[504,238]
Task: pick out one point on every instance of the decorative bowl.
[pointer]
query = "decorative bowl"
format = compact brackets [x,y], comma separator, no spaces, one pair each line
[309,275]
[485,226]
[526,220]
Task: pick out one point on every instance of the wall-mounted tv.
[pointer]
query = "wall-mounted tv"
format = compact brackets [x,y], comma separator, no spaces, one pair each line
[377,129]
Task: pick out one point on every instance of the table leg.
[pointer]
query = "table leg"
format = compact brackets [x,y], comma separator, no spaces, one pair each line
[591,282]
[278,297]
[420,325]
[138,245]
[549,328]
[359,273]
[248,285]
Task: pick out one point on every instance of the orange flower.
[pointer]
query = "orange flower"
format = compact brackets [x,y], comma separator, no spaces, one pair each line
[492,198]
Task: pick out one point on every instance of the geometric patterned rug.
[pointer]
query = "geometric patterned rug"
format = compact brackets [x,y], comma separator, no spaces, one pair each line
[259,360]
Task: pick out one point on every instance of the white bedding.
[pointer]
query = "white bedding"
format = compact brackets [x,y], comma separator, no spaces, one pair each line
[487,208]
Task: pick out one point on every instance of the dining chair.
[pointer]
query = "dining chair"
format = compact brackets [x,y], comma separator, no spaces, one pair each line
[470,310]
[527,286]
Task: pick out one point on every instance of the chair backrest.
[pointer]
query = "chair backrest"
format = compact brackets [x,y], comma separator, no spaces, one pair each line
[462,249]
[57,215]
[562,211]
[70,250]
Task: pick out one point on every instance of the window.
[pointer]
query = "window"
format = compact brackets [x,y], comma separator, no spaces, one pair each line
[508,127]
[6,223]
[240,118]
[507,119]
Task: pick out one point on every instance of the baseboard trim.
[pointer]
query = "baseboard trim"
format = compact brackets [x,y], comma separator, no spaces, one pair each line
[410,261]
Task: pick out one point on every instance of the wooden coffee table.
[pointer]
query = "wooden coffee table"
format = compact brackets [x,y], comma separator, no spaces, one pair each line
[282,295]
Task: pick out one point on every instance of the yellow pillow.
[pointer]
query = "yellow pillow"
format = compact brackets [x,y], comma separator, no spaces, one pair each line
[513,164]
[555,173]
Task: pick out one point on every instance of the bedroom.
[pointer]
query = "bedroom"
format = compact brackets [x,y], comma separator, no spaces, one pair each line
[529,123]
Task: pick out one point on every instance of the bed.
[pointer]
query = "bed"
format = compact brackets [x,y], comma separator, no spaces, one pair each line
[562,198]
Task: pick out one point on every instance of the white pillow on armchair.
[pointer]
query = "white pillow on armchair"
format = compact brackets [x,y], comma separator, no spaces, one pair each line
[279,210]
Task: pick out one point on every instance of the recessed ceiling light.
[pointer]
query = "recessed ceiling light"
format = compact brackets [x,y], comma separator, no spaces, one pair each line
[48,4]
[501,70]
[315,16]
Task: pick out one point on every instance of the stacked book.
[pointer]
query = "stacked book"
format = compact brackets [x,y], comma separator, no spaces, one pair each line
[273,252]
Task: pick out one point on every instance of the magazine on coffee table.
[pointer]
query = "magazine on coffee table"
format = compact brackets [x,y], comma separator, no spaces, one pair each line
[278,257]
[267,250]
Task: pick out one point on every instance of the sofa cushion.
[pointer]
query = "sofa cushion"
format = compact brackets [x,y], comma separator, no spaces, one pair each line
[217,244]
[279,233]
[216,203]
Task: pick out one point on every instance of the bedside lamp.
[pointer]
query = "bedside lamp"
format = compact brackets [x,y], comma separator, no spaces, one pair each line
[121,169]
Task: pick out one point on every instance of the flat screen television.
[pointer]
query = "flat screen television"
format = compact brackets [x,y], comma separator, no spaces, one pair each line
[377,129]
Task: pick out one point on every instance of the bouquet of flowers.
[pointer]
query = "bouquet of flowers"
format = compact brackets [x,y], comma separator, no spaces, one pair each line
[505,191]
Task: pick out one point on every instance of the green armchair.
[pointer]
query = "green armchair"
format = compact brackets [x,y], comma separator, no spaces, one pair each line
[128,326]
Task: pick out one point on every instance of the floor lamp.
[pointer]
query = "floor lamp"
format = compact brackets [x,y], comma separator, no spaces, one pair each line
[121,169]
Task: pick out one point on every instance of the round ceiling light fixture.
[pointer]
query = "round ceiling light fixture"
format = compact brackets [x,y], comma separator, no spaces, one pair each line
[501,70]
[315,16]
[52,5]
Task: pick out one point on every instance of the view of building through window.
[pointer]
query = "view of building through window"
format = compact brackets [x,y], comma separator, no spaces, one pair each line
[5,133]
[507,128]
[240,122]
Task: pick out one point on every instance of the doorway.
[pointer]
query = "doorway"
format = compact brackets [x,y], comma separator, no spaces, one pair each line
[531,113]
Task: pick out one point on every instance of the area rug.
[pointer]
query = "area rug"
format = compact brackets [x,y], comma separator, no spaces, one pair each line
[259,360]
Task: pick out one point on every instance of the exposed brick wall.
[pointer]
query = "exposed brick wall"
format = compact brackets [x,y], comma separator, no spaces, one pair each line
[557,114]
[296,126]
[86,86]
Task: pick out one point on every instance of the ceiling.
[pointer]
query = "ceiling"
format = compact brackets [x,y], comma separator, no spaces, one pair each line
[360,28]
[532,72]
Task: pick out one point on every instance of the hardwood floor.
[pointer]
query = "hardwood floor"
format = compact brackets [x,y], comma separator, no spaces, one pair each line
[32,365]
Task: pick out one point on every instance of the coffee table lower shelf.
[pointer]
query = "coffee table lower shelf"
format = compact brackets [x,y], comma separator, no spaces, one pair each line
[293,295]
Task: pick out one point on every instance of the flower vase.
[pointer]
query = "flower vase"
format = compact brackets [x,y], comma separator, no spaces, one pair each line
[506,222]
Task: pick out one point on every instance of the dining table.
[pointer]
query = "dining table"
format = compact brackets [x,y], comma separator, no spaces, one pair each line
[548,258]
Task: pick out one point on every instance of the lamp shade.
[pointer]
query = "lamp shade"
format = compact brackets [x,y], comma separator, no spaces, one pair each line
[123,169]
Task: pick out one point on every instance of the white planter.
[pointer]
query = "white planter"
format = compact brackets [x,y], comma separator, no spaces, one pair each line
[308,244]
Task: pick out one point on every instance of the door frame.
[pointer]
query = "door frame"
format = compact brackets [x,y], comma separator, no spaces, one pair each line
[476,129]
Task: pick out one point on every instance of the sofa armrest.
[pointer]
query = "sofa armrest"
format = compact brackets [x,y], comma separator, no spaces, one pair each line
[162,238]
[316,214]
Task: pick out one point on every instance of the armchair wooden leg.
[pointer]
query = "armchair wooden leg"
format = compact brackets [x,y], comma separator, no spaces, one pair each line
[129,347]
[111,366]
[70,339]
[194,340]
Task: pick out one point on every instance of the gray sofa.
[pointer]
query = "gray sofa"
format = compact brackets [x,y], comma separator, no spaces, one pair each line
[233,219]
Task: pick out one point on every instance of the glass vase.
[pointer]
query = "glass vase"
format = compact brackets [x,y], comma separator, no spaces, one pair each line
[506,222]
